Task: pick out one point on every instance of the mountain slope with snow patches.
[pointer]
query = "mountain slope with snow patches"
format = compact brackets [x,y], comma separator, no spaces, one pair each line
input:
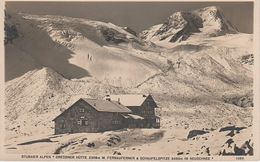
[75,48]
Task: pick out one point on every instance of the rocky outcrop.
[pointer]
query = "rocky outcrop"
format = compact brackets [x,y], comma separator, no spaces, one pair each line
[112,35]
[228,140]
[241,101]
[187,22]
[129,30]
[231,148]
[235,145]
[232,130]
[180,26]
[194,133]
[247,59]
[10,29]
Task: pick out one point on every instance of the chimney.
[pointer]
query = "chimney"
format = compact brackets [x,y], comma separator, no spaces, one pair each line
[118,100]
[108,98]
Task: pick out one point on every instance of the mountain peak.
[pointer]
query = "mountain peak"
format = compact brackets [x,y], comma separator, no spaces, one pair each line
[213,17]
[211,8]
[209,21]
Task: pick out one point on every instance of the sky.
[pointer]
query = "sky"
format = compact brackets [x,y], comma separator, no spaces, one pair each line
[136,15]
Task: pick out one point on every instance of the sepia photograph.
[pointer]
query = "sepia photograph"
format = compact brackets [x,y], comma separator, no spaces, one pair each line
[143,80]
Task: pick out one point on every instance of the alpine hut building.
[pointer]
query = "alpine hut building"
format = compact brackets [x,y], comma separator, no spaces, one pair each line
[112,113]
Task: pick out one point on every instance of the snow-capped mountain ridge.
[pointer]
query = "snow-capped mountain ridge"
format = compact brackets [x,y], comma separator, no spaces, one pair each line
[209,21]
[66,29]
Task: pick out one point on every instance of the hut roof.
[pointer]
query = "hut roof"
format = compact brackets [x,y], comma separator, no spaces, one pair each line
[101,106]
[106,106]
[129,99]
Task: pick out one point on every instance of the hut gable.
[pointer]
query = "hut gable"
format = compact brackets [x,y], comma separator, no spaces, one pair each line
[149,102]
[131,100]
[78,103]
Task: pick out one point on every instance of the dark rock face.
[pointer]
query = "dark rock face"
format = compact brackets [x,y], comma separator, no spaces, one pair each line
[245,150]
[186,21]
[194,133]
[231,146]
[10,29]
[231,128]
[180,153]
[217,14]
[129,30]
[112,35]
[113,140]
[229,142]
[10,33]
[241,101]
[231,133]
[247,59]
[91,144]
[193,23]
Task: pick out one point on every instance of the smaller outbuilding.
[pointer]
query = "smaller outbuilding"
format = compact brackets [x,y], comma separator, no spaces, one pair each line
[143,108]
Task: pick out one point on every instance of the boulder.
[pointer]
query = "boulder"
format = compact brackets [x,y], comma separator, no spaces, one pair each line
[194,133]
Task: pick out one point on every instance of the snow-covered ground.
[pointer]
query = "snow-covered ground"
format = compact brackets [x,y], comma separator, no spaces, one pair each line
[202,83]
[145,142]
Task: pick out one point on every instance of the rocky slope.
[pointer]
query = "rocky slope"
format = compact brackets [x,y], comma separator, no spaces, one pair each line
[34,99]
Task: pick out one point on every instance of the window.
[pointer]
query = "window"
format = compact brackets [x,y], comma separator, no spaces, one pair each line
[79,122]
[85,122]
[116,122]
[62,125]
[81,110]
[157,120]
